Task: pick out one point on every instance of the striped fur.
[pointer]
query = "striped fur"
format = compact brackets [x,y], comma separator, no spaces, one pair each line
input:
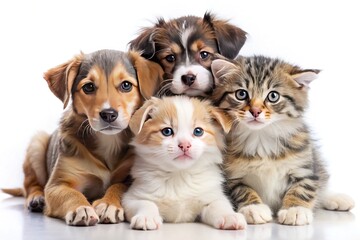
[272,163]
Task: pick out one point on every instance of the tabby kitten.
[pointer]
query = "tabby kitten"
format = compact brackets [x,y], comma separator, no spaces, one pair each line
[271,163]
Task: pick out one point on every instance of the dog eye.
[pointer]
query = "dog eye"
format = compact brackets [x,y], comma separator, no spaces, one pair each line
[204,55]
[126,86]
[273,96]
[241,94]
[170,58]
[167,132]
[88,88]
[198,132]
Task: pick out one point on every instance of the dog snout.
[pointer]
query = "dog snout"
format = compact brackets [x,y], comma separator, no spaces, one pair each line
[188,79]
[108,115]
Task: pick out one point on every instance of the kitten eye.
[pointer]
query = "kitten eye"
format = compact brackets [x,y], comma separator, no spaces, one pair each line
[204,55]
[89,88]
[167,132]
[273,96]
[198,132]
[126,86]
[241,94]
[170,58]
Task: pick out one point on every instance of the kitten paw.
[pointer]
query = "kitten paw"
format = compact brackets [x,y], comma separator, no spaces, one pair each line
[143,222]
[295,216]
[338,202]
[256,213]
[235,221]
[109,213]
[82,216]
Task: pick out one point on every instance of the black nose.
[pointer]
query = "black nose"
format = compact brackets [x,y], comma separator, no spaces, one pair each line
[188,79]
[109,115]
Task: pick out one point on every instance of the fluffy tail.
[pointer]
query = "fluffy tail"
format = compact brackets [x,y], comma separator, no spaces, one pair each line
[16,192]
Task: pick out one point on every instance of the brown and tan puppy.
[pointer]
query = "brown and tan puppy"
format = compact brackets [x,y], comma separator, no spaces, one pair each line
[84,163]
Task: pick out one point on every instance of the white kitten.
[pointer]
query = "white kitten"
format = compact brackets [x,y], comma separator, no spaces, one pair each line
[178,148]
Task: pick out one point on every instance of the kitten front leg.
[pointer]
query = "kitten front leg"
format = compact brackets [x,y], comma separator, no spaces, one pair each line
[220,214]
[108,208]
[298,203]
[142,214]
[250,205]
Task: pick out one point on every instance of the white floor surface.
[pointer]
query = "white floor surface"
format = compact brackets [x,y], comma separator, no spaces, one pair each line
[17,223]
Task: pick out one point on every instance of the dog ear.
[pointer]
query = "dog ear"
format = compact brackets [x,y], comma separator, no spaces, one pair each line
[60,78]
[149,74]
[230,38]
[221,117]
[144,44]
[142,115]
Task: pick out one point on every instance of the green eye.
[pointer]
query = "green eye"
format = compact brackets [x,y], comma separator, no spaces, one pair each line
[273,96]
[241,94]
[89,88]
[167,132]
[198,132]
[126,86]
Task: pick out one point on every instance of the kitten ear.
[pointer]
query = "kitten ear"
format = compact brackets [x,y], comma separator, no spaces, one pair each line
[224,120]
[305,77]
[221,67]
[142,115]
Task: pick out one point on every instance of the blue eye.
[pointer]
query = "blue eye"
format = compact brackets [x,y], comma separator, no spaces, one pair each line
[241,94]
[198,132]
[167,132]
[273,96]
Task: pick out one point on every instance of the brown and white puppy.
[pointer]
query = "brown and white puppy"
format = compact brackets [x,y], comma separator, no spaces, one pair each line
[185,46]
[87,157]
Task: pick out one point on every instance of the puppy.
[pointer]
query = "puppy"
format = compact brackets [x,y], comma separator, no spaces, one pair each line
[178,147]
[184,47]
[87,158]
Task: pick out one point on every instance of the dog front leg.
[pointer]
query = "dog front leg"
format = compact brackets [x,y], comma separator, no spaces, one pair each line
[108,208]
[65,202]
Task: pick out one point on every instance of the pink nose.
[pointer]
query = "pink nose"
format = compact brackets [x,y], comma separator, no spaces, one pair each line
[184,146]
[255,111]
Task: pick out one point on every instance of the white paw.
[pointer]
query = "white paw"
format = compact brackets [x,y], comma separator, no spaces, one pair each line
[256,213]
[338,202]
[295,216]
[235,221]
[143,222]
[82,216]
[109,213]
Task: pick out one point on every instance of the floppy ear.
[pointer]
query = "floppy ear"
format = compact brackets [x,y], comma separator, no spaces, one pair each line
[142,115]
[221,67]
[60,78]
[144,44]
[224,120]
[230,38]
[305,77]
[149,74]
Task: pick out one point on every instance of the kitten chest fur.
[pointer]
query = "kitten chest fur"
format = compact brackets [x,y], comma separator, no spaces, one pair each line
[181,195]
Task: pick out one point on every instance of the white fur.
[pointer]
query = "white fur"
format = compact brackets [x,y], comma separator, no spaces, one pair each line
[338,202]
[256,213]
[169,189]
[84,215]
[202,84]
[295,216]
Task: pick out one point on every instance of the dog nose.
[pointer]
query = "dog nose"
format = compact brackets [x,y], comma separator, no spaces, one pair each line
[109,115]
[188,79]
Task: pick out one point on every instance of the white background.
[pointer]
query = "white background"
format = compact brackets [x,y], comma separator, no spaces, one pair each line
[36,35]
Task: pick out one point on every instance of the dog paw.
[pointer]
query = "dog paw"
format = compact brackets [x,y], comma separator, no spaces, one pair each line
[109,213]
[257,213]
[143,222]
[36,204]
[295,216]
[338,202]
[82,216]
[235,221]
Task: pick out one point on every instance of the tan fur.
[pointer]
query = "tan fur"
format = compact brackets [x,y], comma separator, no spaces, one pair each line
[85,165]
